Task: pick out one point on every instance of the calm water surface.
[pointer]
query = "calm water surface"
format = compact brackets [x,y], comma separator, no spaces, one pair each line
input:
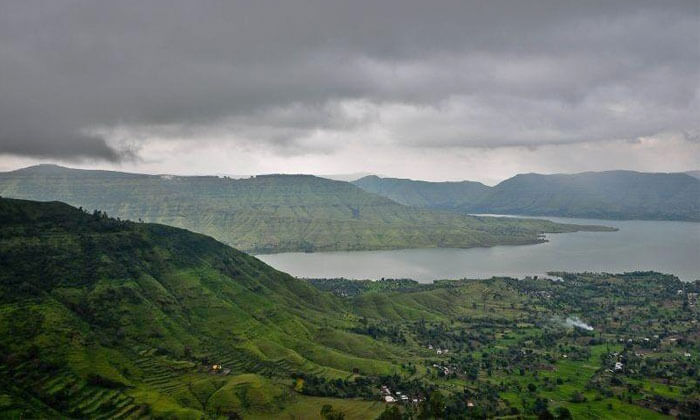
[668,247]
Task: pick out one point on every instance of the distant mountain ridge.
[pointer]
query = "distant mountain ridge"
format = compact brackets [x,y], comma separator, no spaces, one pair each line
[604,195]
[270,213]
[441,195]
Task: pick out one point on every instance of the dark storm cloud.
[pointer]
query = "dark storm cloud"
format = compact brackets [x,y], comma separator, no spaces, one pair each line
[446,73]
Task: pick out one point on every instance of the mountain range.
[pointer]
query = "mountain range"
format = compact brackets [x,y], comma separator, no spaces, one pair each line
[603,195]
[272,213]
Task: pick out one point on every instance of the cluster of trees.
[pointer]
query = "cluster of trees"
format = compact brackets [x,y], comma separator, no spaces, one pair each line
[348,288]
[454,337]
[391,332]
[362,387]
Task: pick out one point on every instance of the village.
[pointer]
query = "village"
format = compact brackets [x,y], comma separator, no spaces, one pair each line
[643,352]
[398,396]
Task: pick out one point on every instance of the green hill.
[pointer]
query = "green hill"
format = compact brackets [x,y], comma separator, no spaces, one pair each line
[102,318]
[271,213]
[604,195]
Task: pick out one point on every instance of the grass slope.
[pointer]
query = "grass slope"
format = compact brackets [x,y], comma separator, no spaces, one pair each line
[605,195]
[272,213]
[100,317]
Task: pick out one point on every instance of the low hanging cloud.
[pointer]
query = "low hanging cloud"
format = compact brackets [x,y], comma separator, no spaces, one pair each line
[83,79]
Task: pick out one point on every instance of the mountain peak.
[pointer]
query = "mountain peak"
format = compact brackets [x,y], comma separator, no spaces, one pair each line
[42,168]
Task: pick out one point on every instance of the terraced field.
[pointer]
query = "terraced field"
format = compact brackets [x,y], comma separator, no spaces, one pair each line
[70,391]
[159,375]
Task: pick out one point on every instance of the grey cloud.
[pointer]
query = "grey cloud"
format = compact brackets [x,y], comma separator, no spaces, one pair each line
[56,144]
[526,73]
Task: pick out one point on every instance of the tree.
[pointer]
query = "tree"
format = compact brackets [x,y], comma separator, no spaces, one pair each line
[329,413]
[436,404]
[545,415]
[563,413]
[541,405]
[578,397]
[390,413]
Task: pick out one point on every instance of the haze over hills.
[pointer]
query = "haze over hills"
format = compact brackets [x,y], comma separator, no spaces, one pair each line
[425,194]
[271,213]
[605,195]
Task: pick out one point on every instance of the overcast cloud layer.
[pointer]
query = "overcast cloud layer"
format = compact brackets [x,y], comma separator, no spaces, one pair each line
[329,86]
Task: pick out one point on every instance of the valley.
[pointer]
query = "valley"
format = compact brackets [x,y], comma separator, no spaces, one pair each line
[349,210]
[114,319]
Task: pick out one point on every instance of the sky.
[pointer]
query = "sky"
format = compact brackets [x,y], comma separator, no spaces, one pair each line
[438,90]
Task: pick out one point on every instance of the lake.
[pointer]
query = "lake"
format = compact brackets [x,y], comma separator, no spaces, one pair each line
[668,247]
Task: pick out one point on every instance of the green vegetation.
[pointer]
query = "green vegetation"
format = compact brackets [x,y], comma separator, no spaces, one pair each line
[604,195]
[344,287]
[521,347]
[272,213]
[105,318]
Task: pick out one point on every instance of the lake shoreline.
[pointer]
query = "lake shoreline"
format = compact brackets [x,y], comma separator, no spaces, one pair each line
[662,246]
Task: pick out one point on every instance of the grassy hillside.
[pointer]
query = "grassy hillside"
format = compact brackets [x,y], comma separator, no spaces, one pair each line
[100,317]
[272,213]
[104,318]
[605,195]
